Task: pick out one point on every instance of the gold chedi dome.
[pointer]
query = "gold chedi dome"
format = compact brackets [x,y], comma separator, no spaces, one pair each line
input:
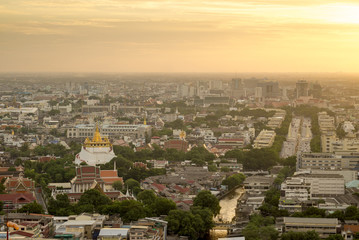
[97,140]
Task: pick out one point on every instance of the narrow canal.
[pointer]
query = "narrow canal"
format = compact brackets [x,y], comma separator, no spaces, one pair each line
[227,213]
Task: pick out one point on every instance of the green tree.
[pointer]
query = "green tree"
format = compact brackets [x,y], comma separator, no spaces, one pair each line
[205,199]
[11,169]
[147,197]
[335,237]
[351,213]
[260,228]
[33,207]
[95,198]
[132,183]
[162,206]
[2,188]
[129,210]
[206,216]
[60,206]
[225,169]
[234,180]
[212,168]
[185,224]
[117,185]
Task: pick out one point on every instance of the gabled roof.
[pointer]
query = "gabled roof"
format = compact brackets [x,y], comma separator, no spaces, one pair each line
[18,197]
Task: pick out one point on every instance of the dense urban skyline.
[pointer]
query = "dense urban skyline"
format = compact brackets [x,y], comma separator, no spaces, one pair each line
[179,36]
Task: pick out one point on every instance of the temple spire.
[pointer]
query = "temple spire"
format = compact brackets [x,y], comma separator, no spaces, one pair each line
[145,119]
[97,135]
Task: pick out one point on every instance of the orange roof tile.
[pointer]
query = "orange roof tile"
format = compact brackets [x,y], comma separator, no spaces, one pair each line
[108,174]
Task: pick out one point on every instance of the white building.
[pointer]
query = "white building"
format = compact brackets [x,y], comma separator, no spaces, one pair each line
[110,130]
[96,151]
[306,186]
[265,139]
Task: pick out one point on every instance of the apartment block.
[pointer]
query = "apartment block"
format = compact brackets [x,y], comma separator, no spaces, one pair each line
[265,139]
[323,226]
[113,130]
[329,161]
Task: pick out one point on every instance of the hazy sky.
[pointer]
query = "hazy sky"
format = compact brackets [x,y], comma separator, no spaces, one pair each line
[179,35]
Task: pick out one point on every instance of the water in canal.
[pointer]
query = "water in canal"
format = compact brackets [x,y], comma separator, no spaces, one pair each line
[227,213]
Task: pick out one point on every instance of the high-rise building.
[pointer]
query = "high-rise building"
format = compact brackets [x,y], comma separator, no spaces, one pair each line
[237,83]
[216,85]
[270,89]
[317,90]
[258,94]
[302,88]
[237,88]
[183,91]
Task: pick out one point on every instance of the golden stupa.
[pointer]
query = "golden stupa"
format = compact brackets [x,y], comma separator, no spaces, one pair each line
[97,140]
[97,150]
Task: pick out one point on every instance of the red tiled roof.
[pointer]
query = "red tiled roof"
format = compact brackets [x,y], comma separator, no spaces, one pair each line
[352,228]
[22,233]
[112,180]
[28,197]
[108,174]
[159,187]
[31,224]
[87,169]
[181,190]
[189,202]
[14,181]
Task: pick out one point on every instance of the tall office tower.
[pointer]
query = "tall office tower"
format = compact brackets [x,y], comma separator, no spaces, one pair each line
[302,88]
[237,88]
[258,94]
[317,90]
[183,91]
[284,93]
[270,89]
[216,85]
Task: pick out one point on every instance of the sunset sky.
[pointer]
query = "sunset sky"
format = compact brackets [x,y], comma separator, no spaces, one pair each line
[179,36]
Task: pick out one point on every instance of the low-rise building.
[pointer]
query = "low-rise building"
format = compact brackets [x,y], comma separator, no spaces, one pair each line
[265,139]
[323,226]
[38,225]
[235,167]
[305,186]
[19,185]
[14,201]
[110,130]
[158,163]
[329,161]
[256,185]
[180,145]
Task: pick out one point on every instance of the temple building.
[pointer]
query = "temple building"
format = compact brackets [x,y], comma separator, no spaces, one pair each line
[87,177]
[92,177]
[95,151]
[19,184]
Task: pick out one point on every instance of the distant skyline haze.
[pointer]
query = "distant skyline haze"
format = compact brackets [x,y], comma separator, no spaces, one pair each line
[179,36]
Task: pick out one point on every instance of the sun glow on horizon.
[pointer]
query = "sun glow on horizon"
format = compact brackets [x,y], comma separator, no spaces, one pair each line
[342,13]
[179,35]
